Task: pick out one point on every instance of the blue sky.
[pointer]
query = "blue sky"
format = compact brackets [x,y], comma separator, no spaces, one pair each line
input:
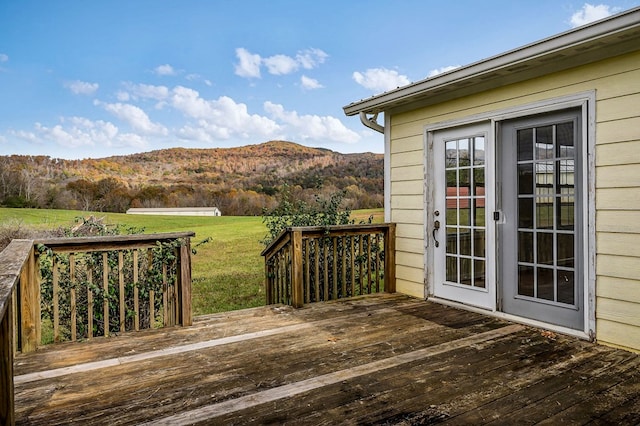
[93,79]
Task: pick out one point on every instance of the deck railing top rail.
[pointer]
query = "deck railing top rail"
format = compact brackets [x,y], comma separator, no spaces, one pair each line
[70,244]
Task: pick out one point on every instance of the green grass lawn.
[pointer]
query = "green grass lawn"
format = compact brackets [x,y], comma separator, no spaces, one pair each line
[228,272]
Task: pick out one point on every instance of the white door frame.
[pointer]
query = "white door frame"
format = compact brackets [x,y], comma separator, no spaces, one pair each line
[587,102]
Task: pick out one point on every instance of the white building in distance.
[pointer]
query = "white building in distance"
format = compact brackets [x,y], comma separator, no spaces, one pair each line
[177,211]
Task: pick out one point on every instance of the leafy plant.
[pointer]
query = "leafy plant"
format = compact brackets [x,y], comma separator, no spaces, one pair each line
[295,212]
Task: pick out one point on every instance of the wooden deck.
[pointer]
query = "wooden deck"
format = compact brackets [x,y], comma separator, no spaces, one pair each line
[385,359]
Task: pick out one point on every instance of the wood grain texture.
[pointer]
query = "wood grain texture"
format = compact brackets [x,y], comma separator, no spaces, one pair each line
[382,359]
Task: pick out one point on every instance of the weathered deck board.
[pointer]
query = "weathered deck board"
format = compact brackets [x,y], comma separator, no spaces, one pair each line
[384,359]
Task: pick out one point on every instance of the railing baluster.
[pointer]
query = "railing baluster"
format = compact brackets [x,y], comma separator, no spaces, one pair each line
[345,289]
[105,287]
[165,296]
[136,301]
[369,281]
[325,269]
[334,261]
[377,264]
[307,271]
[316,265]
[152,293]
[89,272]
[360,263]
[56,308]
[353,264]
[72,295]
[121,289]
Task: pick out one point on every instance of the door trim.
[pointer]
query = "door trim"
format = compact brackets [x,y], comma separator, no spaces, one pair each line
[586,101]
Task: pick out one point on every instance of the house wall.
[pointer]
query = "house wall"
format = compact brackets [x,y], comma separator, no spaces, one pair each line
[617,85]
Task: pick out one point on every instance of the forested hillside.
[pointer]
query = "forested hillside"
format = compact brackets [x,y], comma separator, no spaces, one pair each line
[239,181]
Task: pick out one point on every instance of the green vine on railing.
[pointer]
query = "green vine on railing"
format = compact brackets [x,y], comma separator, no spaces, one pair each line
[157,273]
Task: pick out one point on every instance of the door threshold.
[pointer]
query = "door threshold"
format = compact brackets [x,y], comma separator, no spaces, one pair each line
[513,318]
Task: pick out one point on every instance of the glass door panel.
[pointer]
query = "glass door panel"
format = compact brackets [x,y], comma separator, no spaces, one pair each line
[460,262]
[539,239]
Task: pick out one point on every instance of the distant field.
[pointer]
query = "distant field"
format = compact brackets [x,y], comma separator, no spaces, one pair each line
[228,272]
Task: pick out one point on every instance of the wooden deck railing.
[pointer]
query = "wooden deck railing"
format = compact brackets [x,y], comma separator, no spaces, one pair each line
[314,264]
[91,286]
[16,263]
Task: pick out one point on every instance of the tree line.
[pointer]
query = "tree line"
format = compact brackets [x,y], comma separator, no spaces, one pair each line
[239,181]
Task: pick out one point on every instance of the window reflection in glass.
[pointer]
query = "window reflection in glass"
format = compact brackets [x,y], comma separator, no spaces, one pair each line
[566,287]
[545,285]
[544,142]
[525,179]
[525,144]
[478,151]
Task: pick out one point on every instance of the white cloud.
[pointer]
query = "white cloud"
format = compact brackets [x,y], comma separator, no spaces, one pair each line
[310,83]
[4,57]
[311,58]
[164,70]
[75,132]
[198,77]
[123,96]
[222,118]
[590,13]
[81,87]
[135,117]
[147,91]
[280,64]
[380,79]
[311,127]
[249,65]
[437,71]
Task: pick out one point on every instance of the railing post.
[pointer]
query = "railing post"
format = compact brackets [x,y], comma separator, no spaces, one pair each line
[390,259]
[7,405]
[29,305]
[184,283]
[297,293]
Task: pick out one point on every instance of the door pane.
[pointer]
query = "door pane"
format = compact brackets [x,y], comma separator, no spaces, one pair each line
[478,151]
[525,281]
[565,137]
[565,250]
[545,283]
[479,274]
[544,142]
[525,144]
[452,269]
[525,213]
[566,287]
[544,248]
[525,179]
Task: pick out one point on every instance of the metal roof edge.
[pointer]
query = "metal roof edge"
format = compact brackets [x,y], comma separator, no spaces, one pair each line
[616,23]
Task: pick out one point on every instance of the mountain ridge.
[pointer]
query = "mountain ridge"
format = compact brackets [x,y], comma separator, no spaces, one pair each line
[174,177]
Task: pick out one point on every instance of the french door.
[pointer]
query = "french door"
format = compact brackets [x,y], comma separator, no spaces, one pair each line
[461,232]
[541,238]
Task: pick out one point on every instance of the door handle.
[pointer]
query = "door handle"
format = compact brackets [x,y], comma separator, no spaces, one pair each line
[436,226]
